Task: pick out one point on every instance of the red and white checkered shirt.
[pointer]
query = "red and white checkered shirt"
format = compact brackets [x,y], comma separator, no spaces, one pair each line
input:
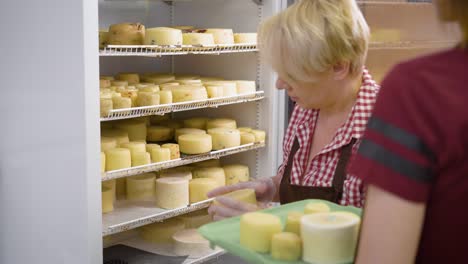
[319,172]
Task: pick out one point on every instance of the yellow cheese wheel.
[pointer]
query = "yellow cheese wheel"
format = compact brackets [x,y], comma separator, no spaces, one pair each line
[286,246]
[103,162]
[187,175]
[221,35]
[245,129]
[150,147]
[236,173]
[257,230]
[314,207]
[196,219]
[172,192]
[246,87]
[163,36]
[118,134]
[229,88]
[162,232]
[221,122]
[196,122]
[140,158]
[118,158]
[160,154]
[126,34]
[215,173]
[103,38]
[224,138]
[214,91]
[159,133]
[134,146]
[186,93]
[247,138]
[148,88]
[110,78]
[106,105]
[141,187]
[200,187]
[132,94]
[131,78]
[121,102]
[148,98]
[165,97]
[183,131]
[195,143]
[111,185]
[244,38]
[293,222]
[174,148]
[208,163]
[204,39]
[136,129]
[160,79]
[104,83]
[189,242]
[108,143]
[119,83]
[259,135]
[107,199]
[190,82]
[243,195]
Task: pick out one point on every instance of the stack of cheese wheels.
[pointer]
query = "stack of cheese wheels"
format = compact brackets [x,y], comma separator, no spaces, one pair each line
[172,192]
[286,246]
[195,143]
[174,150]
[189,242]
[200,187]
[293,222]
[196,219]
[246,87]
[221,122]
[257,230]
[148,98]
[183,131]
[198,39]
[160,154]
[329,237]
[185,93]
[228,88]
[107,199]
[243,195]
[103,162]
[250,38]
[221,35]
[208,163]
[126,34]
[196,122]
[103,38]
[131,78]
[159,133]
[136,129]
[163,36]
[236,173]
[161,233]
[187,175]
[215,173]
[141,187]
[224,138]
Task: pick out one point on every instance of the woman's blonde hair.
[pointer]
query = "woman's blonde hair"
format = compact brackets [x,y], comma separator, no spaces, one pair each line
[314,35]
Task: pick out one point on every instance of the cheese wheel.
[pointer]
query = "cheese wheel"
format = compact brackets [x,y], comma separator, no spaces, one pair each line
[189,242]
[134,146]
[105,105]
[243,195]
[215,173]
[131,78]
[224,138]
[221,35]
[214,91]
[221,122]
[200,187]
[208,163]
[108,143]
[204,39]
[329,237]
[103,162]
[293,222]
[107,199]
[159,80]
[184,28]
[103,38]
[180,77]
[121,102]
[165,97]
[104,83]
[286,246]
[148,98]
[257,230]
[229,87]
[196,122]
[174,149]
[314,207]
[187,175]
[126,34]
[168,86]
[259,135]
[159,133]
[110,78]
[148,88]
[111,185]
[236,173]
[196,219]
[245,129]
[140,158]
[183,131]
[119,83]
[136,129]
[132,94]
[247,138]
[172,192]
[183,93]
[190,82]
[150,147]
[250,38]
[160,154]
[118,158]
[162,232]
[141,187]
[120,135]
[195,144]
[163,36]
[246,87]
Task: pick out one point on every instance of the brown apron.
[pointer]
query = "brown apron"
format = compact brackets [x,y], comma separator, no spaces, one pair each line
[289,193]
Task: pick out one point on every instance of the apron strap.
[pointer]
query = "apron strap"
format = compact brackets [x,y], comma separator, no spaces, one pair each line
[340,171]
[289,165]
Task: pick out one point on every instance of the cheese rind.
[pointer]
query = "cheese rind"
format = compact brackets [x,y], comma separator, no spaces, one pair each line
[136,129]
[286,246]
[174,149]
[118,158]
[187,175]
[107,199]
[246,87]
[121,102]
[198,39]
[200,187]
[165,97]
[257,229]
[260,135]
[191,93]
[224,138]
[150,147]
[221,122]
[189,242]
[195,144]
[148,98]
[215,173]
[222,35]
[247,138]
[126,34]
[120,135]
[172,192]
[106,105]
[134,146]
[141,158]
[183,131]
[160,154]
[245,38]
[163,36]
[196,122]
[141,187]
[236,173]
[162,232]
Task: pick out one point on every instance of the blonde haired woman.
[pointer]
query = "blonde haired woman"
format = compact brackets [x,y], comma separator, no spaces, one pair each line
[414,159]
[318,49]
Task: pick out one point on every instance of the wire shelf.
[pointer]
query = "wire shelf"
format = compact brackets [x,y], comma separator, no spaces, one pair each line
[159,51]
[126,113]
[184,160]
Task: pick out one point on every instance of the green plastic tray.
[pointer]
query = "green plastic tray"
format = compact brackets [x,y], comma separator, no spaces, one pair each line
[225,234]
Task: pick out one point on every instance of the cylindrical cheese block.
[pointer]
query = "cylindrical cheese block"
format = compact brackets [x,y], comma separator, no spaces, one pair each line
[106,105]
[162,232]
[159,133]
[187,175]
[118,158]
[103,162]
[189,242]
[259,135]
[215,173]
[107,199]
[104,83]
[132,94]
[136,129]
[221,122]
[214,91]
[148,98]
[174,148]
[286,246]
[195,144]
[222,35]
[243,195]
[150,147]
[184,94]
[160,154]
[163,36]
[198,39]
[120,135]
[103,38]
[190,82]
[165,97]
[224,138]
[108,143]
[112,184]
[247,138]
[208,163]
[141,187]
[134,146]
[316,207]
[244,38]
[140,158]
[183,131]
[257,230]
[196,122]
[245,129]
[200,187]
[329,237]
[168,86]
[293,222]
[172,192]
[126,34]
[121,102]
[196,219]
[119,83]
[131,78]
[246,87]
[236,173]
[229,87]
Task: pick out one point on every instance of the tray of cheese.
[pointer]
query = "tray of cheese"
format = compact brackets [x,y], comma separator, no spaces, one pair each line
[334,230]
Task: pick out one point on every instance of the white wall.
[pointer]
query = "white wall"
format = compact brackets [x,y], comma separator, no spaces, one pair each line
[49,145]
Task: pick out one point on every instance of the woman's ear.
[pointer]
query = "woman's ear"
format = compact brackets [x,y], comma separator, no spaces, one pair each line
[341,70]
